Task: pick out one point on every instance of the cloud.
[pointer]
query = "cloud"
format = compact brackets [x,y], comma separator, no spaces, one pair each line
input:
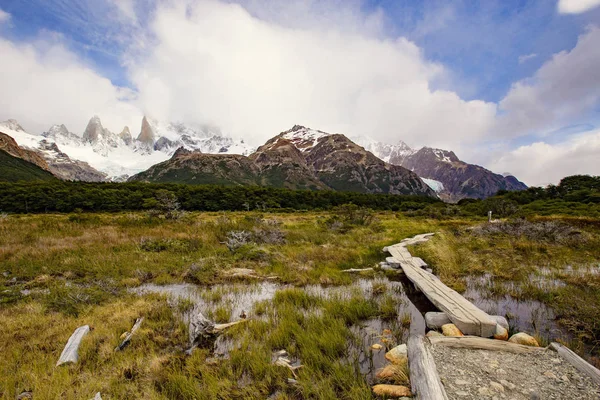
[43,83]
[564,89]
[218,63]
[576,6]
[526,57]
[4,16]
[541,163]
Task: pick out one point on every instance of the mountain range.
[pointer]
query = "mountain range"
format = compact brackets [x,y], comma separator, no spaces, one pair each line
[300,158]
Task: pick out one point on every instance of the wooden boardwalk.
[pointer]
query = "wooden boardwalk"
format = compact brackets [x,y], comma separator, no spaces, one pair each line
[466,316]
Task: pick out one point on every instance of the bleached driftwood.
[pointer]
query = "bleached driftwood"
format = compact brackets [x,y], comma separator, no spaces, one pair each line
[424,379]
[576,361]
[70,352]
[281,359]
[129,335]
[201,328]
[358,270]
[479,343]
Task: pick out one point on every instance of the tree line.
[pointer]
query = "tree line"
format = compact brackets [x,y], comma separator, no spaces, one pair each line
[65,197]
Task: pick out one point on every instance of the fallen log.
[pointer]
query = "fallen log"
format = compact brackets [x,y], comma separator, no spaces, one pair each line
[479,343]
[579,363]
[358,270]
[70,352]
[129,335]
[424,379]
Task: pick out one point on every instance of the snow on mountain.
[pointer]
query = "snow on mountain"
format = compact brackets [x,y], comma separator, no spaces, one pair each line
[119,155]
[303,138]
[391,153]
[437,186]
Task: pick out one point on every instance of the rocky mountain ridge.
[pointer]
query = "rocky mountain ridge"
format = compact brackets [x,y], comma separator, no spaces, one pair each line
[442,170]
[300,158]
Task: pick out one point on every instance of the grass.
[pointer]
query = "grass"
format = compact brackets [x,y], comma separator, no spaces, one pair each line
[58,272]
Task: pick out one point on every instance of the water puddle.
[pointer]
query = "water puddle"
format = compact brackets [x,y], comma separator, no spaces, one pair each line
[529,316]
[241,298]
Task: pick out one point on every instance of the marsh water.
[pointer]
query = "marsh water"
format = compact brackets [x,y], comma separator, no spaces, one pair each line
[523,315]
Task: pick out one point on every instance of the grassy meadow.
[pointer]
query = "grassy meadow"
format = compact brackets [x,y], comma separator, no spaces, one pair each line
[61,271]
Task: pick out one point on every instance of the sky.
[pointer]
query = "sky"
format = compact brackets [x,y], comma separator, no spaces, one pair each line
[510,85]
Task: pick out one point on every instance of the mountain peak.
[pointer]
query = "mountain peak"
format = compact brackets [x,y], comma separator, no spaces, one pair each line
[13,125]
[146,136]
[125,136]
[302,137]
[93,130]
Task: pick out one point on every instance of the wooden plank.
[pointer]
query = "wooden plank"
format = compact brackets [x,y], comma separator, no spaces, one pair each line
[576,361]
[479,343]
[465,315]
[70,352]
[425,382]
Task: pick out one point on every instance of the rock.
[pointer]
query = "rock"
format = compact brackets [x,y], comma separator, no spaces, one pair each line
[377,346]
[397,355]
[508,385]
[392,373]
[435,320]
[524,339]
[433,334]
[25,395]
[98,396]
[460,382]
[550,374]
[501,333]
[484,391]
[497,387]
[393,391]
[500,321]
[462,393]
[451,330]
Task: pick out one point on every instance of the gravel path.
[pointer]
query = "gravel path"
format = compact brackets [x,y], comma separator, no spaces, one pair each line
[482,374]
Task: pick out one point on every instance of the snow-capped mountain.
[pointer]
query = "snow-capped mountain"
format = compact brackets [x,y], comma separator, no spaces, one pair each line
[443,171]
[120,155]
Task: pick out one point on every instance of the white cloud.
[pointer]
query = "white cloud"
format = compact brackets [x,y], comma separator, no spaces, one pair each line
[4,16]
[541,163]
[215,62]
[576,6]
[43,83]
[565,88]
[526,57]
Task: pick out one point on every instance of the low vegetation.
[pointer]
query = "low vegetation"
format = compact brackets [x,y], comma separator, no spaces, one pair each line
[60,271]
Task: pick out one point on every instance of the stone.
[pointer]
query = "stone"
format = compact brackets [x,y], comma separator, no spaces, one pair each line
[433,334]
[501,333]
[377,346]
[503,322]
[497,387]
[461,382]
[393,391]
[508,385]
[397,355]
[435,320]
[484,391]
[524,339]
[462,393]
[451,330]
[550,374]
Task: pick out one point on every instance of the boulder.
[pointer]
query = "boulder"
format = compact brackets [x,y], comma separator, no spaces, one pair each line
[451,330]
[500,321]
[393,391]
[524,339]
[397,355]
[435,320]
[433,334]
[377,346]
[501,333]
